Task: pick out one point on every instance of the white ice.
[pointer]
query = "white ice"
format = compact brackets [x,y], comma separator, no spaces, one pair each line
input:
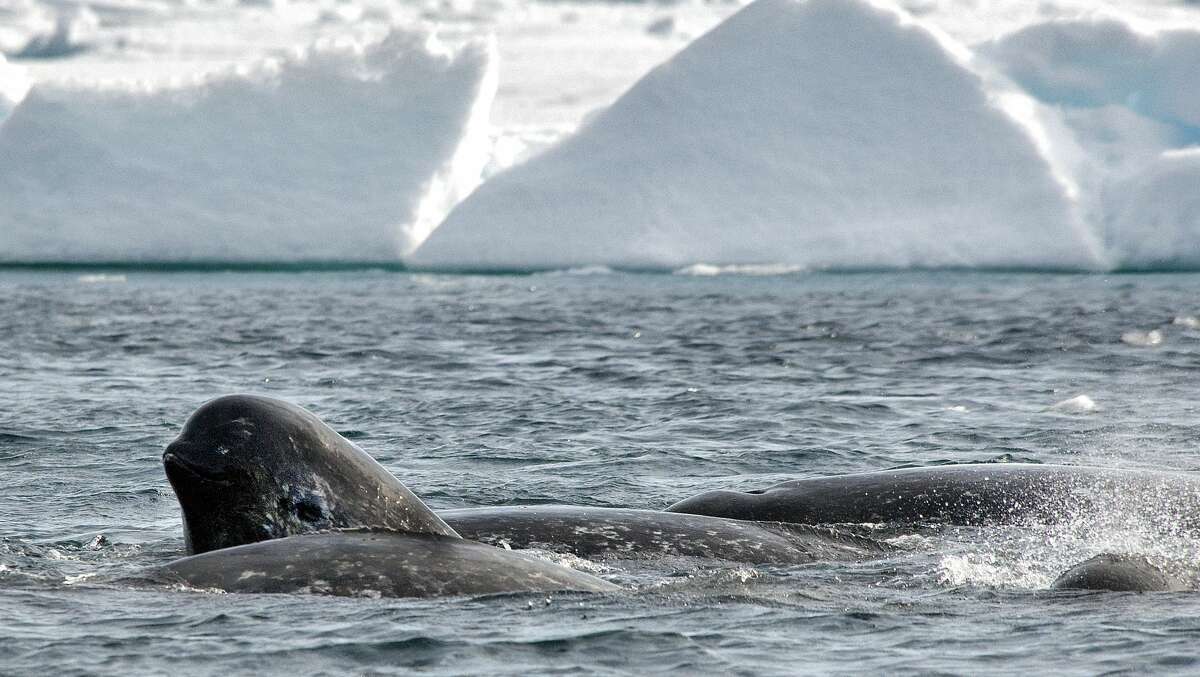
[1126,106]
[824,134]
[342,152]
[13,86]
[820,134]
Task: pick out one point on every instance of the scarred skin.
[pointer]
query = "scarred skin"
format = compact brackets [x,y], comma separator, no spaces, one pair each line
[276,501]
[376,564]
[975,494]
[626,533]
[268,492]
[248,468]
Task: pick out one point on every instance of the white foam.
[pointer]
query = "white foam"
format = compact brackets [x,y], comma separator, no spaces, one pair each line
[1144,339]
[1077,404]
[101,278]
[992,570]
[709,270]
[823,134]
[1032,556]
[342,152]
[910,542]
[580,272]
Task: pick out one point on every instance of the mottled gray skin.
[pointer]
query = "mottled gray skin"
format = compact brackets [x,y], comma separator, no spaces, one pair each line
[1118,573]
[248,468]
[629,534]
[978,494]
[373,563]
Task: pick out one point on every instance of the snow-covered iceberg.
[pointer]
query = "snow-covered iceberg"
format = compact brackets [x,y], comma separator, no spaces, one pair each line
[342,153]
[1100,61]
[1154,215]
[1126,104]
[826,134]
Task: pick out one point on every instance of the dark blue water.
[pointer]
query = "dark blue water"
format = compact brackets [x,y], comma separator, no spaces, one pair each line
[615,390]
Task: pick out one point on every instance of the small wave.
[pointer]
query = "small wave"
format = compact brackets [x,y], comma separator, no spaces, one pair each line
[708,580]
[581,271]
[756,269]
[910,541]
[1077,404]
[572,562]
[101,278]
[1142,339]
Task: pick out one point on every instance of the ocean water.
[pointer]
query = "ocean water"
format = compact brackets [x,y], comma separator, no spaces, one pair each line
[611,389]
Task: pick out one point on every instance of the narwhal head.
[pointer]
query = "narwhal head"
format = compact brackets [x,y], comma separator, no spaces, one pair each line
[248,468]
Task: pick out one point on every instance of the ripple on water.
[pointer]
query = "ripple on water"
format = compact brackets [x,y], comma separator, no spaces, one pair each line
[601,389]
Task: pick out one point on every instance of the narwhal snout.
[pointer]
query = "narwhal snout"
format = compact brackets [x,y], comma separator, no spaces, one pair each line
[184,458]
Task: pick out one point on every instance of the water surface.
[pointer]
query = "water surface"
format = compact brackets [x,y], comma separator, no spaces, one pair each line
[600,389]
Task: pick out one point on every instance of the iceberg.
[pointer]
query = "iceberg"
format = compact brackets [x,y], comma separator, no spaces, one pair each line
[1127,103]
[1154,215]
[826,134]
[1101,61]
[13,86]
[343,152]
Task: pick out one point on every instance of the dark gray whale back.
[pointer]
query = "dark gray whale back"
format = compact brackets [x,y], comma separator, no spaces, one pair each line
[626,533]
[1118,573]
[247,468]
[373,563]
[976,494]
